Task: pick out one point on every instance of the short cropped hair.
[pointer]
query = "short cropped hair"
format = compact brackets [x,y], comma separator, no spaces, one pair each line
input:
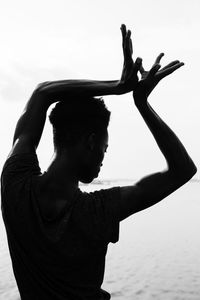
[76,116]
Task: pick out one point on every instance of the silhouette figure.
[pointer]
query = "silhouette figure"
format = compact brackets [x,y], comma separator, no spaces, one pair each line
[57,234]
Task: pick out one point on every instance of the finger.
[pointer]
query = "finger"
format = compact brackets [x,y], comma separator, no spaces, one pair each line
[128,46]
[123,31]
[154,70]
[125,41]
[137,65]
[170,65]
[138,62]
[141,69]
[123,27]
[157,61]
[156,66]
[128,35]
[131,46]
[170,70]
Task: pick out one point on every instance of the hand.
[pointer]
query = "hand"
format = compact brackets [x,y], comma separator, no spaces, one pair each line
[129,78]
[151,78]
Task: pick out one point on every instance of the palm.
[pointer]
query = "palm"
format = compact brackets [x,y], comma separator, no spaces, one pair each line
[147,84]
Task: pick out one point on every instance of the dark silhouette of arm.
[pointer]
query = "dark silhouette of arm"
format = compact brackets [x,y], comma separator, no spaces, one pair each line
[180,167]
[177,158]
[31,123]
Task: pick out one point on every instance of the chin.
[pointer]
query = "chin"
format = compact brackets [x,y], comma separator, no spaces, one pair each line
[88,178]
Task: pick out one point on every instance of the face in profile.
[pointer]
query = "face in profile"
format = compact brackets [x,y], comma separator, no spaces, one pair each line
[92,165]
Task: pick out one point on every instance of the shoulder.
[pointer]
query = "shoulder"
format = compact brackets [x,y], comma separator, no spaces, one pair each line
[21,160]
[105,198]
[19,166]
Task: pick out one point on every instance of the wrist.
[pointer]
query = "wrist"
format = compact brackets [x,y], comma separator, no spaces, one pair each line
[113,88]
[120,88]
[140,100]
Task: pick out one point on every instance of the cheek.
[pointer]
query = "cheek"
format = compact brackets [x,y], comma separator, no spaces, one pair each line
[99,157]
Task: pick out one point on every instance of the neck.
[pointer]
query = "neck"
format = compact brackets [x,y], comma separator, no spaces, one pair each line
[60,176]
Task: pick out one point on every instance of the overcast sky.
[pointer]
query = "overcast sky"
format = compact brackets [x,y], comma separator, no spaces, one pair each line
[51,40]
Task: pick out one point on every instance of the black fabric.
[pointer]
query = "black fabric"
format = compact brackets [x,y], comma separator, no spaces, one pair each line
[63,259]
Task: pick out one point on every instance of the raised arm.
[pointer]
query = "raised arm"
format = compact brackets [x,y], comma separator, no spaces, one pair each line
[153,188]
[30,125]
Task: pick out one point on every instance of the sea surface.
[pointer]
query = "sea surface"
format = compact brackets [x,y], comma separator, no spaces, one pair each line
[157,256]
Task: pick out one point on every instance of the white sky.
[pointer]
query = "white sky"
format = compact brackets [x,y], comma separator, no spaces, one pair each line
[51,40]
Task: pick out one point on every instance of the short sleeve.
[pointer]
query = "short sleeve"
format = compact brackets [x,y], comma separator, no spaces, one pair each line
[103,212]
[17,169]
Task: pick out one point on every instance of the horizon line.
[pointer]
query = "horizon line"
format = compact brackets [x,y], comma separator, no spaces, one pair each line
[109,180]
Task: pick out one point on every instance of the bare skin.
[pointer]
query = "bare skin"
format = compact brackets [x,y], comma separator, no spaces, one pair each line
[60,182]
[180,168]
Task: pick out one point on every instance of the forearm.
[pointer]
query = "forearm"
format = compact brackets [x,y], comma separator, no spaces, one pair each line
[32,121]
[58,90]
[177,158]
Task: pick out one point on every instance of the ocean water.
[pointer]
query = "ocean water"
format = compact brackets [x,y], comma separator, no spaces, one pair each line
[157,256]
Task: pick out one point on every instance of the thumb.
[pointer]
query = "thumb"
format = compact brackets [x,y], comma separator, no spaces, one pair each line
[138,64]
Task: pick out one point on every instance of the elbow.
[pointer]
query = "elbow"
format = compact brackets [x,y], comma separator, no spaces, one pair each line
[191,172]
[41,89]
[41,86]
[185,174]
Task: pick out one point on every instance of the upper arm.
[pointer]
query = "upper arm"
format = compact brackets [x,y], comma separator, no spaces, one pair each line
[30,125]
[22,144]
[148,191]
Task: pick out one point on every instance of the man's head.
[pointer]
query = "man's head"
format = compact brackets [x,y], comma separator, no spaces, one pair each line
[80,128]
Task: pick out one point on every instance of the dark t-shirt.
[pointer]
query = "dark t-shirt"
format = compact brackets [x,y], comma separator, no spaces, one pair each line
[63,259]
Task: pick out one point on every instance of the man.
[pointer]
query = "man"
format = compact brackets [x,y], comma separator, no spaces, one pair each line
[58,235]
